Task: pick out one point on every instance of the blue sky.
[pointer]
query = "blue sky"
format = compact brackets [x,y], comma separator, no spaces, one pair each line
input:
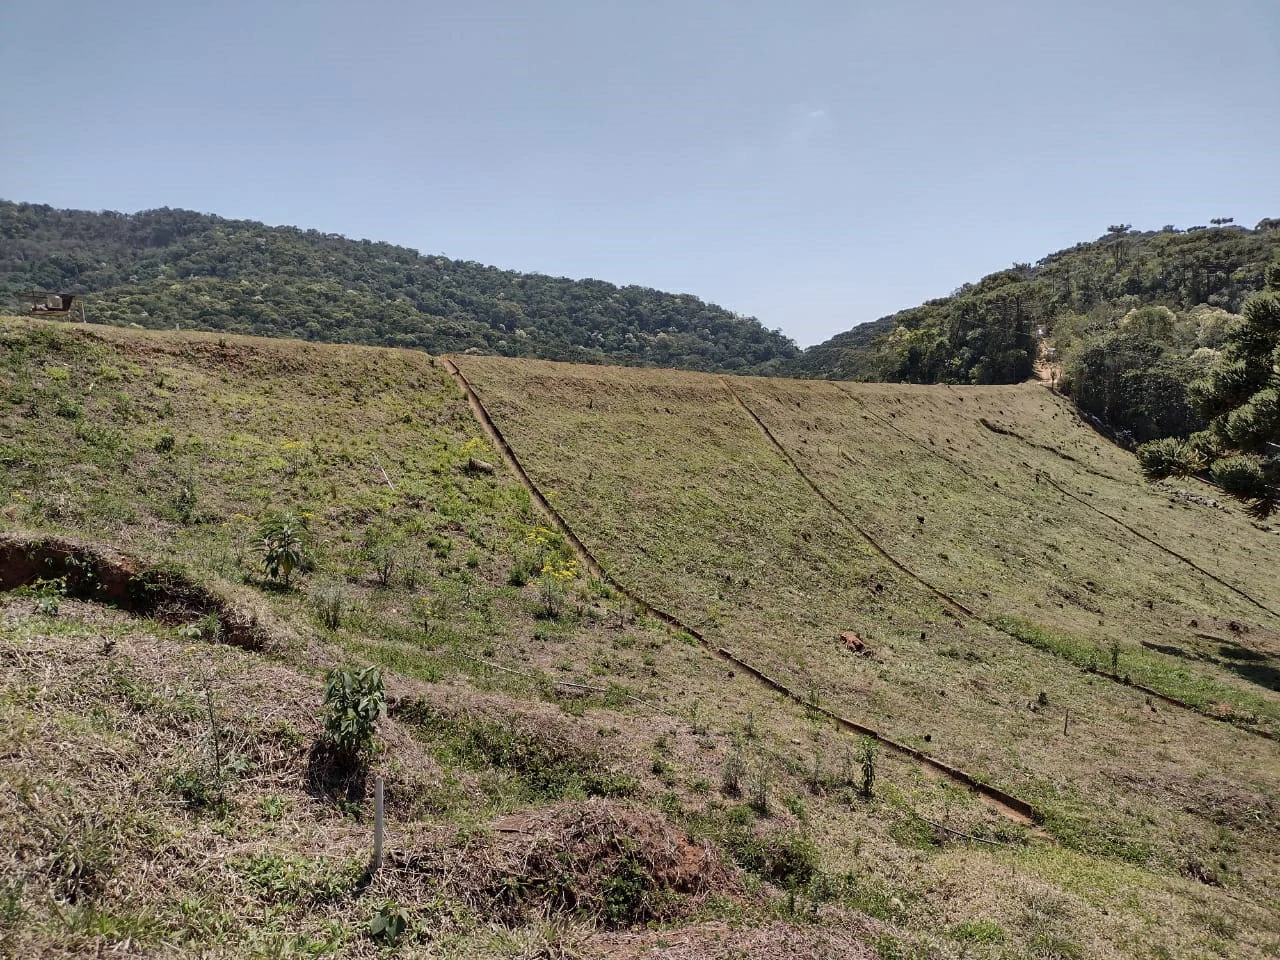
[814,164]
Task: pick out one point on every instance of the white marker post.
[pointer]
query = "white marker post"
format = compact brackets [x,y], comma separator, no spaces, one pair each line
[377,827]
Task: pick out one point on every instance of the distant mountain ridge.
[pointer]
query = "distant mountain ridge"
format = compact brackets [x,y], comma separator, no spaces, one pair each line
[161,268]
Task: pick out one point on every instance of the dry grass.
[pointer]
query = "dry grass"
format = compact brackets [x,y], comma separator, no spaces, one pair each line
[164,792]
[677,491]
[680,494]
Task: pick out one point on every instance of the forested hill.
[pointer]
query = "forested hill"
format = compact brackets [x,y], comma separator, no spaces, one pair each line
[990,331]
[162,268]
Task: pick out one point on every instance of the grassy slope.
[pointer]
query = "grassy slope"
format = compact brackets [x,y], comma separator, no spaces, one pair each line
[680,495]
[259,425]
[672,485]
[171,447]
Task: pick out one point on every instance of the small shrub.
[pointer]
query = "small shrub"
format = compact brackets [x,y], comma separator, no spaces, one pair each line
[797,807]
[283,541]
[624,891]
[208,628]
[388,923]
[385,557]
[354,702]
[47,595]
[429,612]
[759,792]
[697,725]
[1241,477]
[197,787]
[866,757]
[103,437]
[184,501]
[166,443]
[411,568]
[553,582]
[1113,649]
[522,571]
[68,409]
[330,603]
[1169,457]
[732,774]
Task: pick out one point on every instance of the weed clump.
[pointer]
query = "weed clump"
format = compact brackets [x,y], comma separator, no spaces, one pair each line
[733,773]
[786,858]
[543,768]
[388,923]
[866,757]
[330,603]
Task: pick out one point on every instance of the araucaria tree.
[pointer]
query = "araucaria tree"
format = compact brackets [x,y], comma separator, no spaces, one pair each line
[1240,398]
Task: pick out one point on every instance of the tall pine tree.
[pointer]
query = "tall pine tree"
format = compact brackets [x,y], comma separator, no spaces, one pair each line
[1240,397]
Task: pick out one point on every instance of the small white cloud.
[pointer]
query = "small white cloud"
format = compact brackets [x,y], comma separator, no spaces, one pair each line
[804,126]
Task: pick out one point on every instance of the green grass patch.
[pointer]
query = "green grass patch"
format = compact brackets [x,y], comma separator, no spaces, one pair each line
[542,770]
[1161,673]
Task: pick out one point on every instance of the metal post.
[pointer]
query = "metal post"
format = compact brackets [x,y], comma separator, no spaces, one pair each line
[377,826]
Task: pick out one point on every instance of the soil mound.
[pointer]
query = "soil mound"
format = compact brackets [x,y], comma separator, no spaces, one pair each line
[597,859]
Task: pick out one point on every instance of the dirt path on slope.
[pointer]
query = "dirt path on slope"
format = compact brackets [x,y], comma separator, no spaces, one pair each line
[1004,803]
[959,608]
[1045,368]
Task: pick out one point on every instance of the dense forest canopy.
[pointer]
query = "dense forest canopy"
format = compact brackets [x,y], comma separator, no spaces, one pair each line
[162,268]
[1075,302]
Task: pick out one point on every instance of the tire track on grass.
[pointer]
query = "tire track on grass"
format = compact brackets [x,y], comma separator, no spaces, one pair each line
[1005,432]
[955,604]
[1005,803]
[956,607]
[1044,475]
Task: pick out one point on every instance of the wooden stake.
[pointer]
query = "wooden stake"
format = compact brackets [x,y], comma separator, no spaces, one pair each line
[382,470]
[1066,718]
[377,827]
